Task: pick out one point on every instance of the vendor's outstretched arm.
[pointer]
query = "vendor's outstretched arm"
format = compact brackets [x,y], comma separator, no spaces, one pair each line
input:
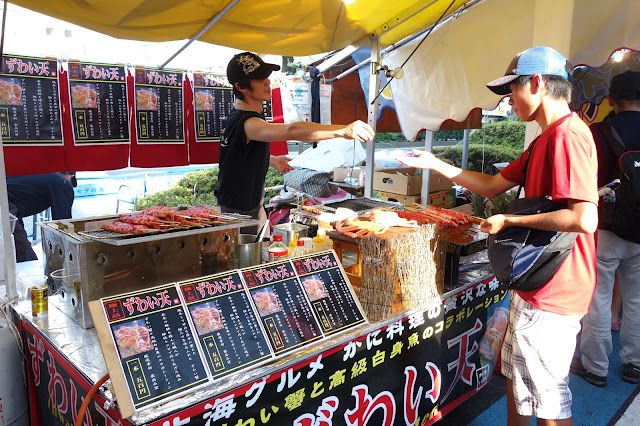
[477,182]
[259,130]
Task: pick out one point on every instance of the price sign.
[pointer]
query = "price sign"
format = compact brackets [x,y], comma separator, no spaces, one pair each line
[329,294]
[29,101]
[282,305]
[159,106]
[98,94]
[155,345]
[228,328]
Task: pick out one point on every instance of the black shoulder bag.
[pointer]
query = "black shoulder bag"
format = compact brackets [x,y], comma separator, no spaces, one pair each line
[525,259]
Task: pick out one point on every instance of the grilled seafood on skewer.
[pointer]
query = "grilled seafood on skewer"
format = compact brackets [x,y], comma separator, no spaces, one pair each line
[379,222]
[141,219]
[126,228]
[161,212]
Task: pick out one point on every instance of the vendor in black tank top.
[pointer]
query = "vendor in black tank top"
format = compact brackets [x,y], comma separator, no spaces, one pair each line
[244,149]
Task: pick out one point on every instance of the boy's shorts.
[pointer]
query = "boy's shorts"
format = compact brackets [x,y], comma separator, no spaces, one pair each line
[536,355]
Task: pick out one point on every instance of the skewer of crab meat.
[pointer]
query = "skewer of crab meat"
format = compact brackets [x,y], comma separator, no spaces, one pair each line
[126,228]
[141,219]
[160,211]
[190,217]
[184,220]
[204,212]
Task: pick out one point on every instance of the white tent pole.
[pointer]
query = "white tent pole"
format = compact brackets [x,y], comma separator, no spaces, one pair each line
[202,31]
[465,147]
[428,147]
[7,237]
[372,107]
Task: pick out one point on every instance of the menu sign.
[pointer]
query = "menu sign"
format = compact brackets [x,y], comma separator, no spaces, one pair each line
[282,305]
[213,100]
[159,106]
[29,101]
[98,94]
[328,291]
[155,345]
[227,327]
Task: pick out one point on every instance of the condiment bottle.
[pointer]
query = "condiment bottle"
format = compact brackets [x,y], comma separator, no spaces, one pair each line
[277,249]
[293,243]
[299,250]
[318,243]
[308,245]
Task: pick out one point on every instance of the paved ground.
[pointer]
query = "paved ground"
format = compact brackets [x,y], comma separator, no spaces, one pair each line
[617,404]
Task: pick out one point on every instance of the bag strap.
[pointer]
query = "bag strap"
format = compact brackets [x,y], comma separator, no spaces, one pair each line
[613,139]
[524,170]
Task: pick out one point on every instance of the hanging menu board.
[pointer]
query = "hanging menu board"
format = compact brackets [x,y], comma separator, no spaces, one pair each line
[213,100]
[29,101]
[327,290]
[98,94]
[156,348]
[227,326]
[159,106]
[282,305]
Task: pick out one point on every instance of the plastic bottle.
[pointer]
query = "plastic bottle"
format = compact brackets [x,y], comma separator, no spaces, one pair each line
[318,243]
[293,243]
[308,245]
[299,250]
[277,250]
[361,178]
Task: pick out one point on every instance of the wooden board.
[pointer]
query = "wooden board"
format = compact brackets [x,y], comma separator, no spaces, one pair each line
[111,359]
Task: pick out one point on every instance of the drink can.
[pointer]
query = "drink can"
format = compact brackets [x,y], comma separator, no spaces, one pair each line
[39,300]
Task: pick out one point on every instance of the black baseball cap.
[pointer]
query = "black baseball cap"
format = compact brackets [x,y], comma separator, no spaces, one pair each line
[626,86]
[248,65]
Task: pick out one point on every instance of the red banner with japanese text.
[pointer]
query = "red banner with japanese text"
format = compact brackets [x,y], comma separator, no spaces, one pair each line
[57,389]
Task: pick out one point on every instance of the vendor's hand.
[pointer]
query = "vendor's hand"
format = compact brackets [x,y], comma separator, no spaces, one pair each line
[281,163]
[359,131]
[418,159]
[493,224]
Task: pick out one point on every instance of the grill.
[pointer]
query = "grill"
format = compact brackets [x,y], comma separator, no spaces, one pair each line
[105,263]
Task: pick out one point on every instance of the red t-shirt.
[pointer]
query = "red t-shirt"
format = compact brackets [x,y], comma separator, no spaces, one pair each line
[564,166]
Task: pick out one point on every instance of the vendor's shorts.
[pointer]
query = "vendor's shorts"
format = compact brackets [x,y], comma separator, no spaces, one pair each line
[255,213]
[536,355]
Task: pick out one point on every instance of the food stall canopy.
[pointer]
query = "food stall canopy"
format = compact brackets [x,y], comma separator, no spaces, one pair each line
[446,76]
[280,27]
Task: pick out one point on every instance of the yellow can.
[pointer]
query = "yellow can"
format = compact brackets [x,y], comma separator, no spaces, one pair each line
[39,299]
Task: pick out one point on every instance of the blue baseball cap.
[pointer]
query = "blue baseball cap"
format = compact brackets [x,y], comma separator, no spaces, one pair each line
[537,60]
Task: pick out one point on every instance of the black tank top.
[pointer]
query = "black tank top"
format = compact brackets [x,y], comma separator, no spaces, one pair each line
[243,166]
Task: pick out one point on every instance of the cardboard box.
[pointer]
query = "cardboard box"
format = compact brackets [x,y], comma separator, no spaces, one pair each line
[407,181]
[340,173]
[390,196]
[437,182]
[402,180]
[442,199]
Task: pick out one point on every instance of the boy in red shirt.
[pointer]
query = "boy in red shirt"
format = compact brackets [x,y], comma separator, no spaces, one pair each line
[543,323]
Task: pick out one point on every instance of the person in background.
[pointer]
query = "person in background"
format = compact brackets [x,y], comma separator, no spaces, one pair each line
[244,148]
[616,304]
[615,252]
[543,324]
[32,194]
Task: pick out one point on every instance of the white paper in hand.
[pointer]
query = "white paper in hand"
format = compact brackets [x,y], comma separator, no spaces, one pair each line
[330,153]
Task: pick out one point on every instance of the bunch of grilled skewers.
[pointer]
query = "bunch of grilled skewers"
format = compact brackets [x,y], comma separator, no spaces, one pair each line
[158,218]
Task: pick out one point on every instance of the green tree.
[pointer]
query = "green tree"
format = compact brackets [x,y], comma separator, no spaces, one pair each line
[481,157]
[197,188]
[502,133]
